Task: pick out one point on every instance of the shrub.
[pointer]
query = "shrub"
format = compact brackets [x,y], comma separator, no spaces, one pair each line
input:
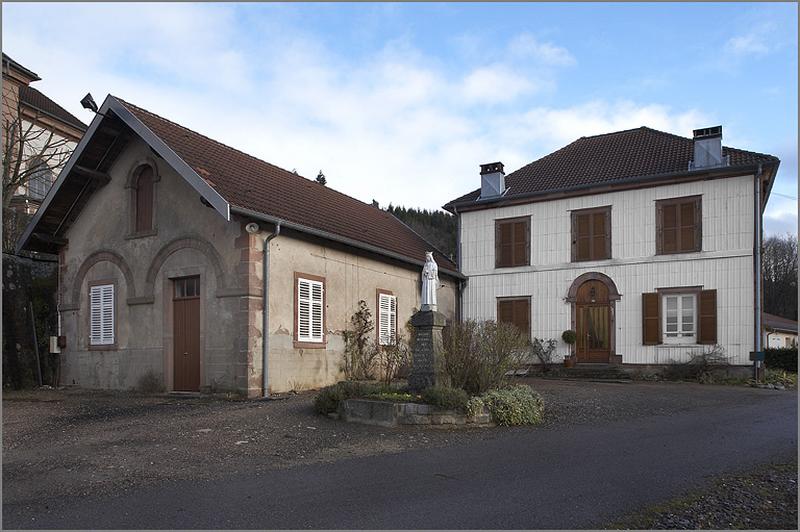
[516,405]
[569,336]
[446,398]
[777,376]
[360,351]
[700,367]
[399,397]
[328,398]
[477,355]
[543,350]
[784,358]
[474,406]
[394,359]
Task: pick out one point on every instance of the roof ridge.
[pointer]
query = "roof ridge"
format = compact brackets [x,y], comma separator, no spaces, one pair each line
[34,89]
[253,157]
[612,133]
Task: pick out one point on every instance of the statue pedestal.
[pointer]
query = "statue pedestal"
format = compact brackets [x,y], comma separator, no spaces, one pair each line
[428,325]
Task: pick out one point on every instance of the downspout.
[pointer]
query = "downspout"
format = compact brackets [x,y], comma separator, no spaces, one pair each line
[757,271]
[460,284]
[265,313]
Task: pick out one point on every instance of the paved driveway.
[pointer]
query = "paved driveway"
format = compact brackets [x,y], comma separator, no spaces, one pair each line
[606,450]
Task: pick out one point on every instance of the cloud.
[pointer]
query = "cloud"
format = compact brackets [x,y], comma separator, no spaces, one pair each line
[750,44]
[395,123]
[529,47]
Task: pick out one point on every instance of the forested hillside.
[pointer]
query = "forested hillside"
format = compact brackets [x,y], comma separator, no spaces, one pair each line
[438,227]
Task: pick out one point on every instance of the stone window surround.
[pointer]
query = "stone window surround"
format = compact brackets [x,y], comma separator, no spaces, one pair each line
[130,183]
[295,340]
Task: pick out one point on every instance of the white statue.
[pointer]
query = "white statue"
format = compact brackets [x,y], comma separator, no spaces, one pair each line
[430,282]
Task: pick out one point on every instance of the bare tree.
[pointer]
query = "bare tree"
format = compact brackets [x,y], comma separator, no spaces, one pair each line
[779,270]
[30,151]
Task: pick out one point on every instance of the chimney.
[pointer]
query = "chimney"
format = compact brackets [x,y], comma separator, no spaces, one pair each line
[493,180]
[708,149]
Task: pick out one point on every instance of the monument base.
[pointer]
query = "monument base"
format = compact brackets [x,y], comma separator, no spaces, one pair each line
[428,325]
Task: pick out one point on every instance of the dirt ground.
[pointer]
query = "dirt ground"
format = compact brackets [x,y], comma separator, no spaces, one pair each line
[80,442]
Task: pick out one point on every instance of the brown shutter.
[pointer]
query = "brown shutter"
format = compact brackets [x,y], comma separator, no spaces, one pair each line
[669,228]
[698,225]
[659,229]
[527,242]
[520,246]
[583,234]
[504,244]
[707,317]
[505,311]
[651,319]
[607,215]
[598,235]
[574,235]
[686,231]
[522,313]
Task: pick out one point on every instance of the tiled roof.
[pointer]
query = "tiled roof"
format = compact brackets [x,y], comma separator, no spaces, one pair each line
[608,159]
[771,321]
[37,100]
[250,183]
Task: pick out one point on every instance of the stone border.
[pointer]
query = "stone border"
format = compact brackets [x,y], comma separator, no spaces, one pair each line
[391,414]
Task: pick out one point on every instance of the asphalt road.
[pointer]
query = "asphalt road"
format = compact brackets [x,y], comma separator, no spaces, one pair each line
[567,477]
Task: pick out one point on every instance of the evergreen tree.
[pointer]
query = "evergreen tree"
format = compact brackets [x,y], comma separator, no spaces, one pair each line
[437,227]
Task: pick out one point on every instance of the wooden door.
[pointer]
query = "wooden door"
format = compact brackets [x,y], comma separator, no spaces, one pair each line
[593,323]
[186,334]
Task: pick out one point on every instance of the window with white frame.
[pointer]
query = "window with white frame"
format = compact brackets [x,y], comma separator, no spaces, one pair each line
[387,319]
[310,310]
[680,318]
[101,310]
[41,177]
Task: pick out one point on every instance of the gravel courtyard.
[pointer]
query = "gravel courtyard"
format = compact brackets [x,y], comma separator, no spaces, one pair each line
[79,442]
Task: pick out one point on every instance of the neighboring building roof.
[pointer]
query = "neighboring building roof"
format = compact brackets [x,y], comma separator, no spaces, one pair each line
[37,100]
[232,181]
[30,74]
[607,160]
[778,323]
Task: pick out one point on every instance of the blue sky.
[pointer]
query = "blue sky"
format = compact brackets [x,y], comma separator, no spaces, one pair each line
[401,103]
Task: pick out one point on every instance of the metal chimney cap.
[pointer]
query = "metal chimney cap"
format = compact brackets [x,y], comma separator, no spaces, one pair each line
[708,132]
[491,168]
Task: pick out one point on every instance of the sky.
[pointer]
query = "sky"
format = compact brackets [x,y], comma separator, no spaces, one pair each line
[401,103]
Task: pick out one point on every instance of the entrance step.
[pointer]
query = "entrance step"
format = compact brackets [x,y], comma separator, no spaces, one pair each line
[601,372]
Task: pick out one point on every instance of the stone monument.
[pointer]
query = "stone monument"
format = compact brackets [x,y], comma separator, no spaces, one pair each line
[428,324]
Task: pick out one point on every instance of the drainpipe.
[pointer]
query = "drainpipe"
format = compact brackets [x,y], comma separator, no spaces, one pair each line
[265,312]
[757,270]
[460,283]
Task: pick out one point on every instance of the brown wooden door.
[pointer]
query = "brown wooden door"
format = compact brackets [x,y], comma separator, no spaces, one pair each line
[593,323]
[186,334]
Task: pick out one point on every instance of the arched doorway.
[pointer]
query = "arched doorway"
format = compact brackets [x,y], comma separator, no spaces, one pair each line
[593,323]
[593,297]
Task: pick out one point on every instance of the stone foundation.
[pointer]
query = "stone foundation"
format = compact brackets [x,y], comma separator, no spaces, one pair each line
[389,414]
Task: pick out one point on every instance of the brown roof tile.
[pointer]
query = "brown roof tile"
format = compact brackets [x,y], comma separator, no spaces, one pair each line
[771,321]
[609,158]
[37,100]
[250,183]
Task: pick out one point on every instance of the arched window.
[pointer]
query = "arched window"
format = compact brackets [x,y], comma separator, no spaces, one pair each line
[143,193]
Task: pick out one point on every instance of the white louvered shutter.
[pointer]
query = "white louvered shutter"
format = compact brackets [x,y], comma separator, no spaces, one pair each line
[310,310]
[101,303]
[387,318]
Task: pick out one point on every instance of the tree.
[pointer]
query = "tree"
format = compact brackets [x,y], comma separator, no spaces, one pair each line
[437,227]
[779,272]
[31,155]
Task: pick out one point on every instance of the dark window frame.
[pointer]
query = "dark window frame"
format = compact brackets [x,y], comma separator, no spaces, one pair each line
[515,261]
[605,254]
[697,224]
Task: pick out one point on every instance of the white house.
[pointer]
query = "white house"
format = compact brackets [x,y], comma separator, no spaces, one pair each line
[642,242]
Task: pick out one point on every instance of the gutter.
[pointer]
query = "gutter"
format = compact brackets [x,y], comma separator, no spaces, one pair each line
[611,186]
[337,238]
[265,313]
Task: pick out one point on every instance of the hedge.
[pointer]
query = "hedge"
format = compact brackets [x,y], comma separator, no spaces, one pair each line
[784,358]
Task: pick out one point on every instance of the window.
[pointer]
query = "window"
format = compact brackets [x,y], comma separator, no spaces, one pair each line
[101,314]
[512,242]
[310,310]
[40,179]
[685,315]
[591,234]
[517,312]
[143,192]
[680,317]
[187,287]
[678,225]
[387,318]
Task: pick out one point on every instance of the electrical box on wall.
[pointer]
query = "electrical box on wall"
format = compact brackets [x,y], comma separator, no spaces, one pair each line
[55,349]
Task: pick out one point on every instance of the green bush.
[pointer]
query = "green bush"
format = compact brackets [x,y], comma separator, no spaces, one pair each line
[784,358]
[474,406]
[446,398]
[328,398]
[516,405]
[779,376]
